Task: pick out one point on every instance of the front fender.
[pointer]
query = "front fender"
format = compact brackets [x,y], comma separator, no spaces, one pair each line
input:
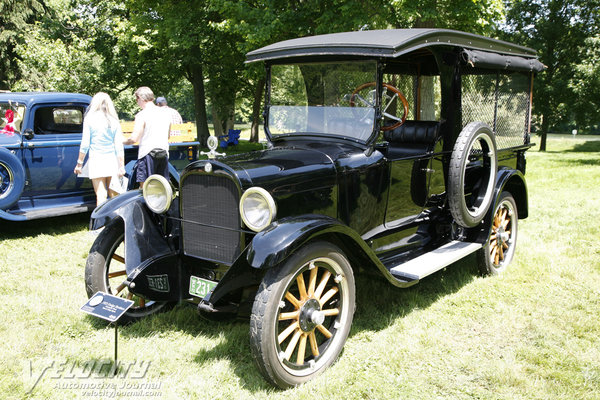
[113,208]
[276,243]
[144,238]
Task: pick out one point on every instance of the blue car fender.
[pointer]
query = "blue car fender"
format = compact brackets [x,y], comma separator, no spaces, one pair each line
[12,178]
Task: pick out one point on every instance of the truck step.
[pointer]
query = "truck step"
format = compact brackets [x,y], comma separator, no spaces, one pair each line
[419,267]
[49,212]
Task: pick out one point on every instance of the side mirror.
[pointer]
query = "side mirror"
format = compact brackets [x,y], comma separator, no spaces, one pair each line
[28,134]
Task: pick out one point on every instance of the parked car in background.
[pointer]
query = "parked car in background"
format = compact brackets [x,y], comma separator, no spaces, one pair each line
[40,136]
[396,151]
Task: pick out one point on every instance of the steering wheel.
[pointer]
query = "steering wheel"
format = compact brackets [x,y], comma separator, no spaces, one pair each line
[386,100]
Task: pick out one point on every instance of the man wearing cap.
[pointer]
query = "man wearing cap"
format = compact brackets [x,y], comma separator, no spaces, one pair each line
[175,116]
[151,129]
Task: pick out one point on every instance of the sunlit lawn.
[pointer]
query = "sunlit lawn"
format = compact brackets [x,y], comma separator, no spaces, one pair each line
[533,333]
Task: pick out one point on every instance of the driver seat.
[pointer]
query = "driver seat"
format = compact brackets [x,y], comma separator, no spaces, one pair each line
[412,138]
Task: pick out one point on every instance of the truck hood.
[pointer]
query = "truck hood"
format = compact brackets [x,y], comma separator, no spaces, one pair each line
[284,169]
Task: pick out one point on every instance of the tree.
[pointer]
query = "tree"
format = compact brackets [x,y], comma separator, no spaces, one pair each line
[557,29]
[585,83]
[16,16]
[476,16]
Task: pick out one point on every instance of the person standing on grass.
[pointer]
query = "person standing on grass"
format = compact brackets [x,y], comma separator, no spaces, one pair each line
[151,130]
[175,116]
[103,139]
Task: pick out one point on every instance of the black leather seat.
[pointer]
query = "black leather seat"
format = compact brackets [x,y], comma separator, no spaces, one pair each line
[412,138]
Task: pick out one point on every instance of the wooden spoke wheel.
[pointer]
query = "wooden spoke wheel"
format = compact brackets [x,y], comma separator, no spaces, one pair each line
[302,314]
[105,272]
[495,256]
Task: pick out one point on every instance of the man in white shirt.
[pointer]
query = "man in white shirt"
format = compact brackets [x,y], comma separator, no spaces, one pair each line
[151,129]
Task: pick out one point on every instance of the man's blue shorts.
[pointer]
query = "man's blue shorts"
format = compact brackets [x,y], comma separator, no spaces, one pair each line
[148,165]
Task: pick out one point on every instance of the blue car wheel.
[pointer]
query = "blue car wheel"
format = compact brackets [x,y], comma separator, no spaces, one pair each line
[12,179]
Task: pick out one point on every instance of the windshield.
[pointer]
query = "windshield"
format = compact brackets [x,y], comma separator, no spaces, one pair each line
[11,117]
[322,99]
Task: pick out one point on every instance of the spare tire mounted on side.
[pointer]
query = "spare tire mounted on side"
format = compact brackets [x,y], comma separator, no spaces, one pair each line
[472,174]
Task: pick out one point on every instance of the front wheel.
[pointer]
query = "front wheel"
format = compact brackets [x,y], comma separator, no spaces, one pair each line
[494,257]
[302,315]
[105,272]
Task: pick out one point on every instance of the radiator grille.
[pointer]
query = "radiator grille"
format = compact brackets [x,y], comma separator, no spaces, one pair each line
[211,219]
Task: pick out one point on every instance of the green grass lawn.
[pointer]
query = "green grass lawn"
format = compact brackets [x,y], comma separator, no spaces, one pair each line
[533,333]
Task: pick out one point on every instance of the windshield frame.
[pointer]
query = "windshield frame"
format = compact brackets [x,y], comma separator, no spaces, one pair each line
[369,140]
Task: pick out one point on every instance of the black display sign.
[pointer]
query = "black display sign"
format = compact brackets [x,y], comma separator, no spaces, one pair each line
[107,306]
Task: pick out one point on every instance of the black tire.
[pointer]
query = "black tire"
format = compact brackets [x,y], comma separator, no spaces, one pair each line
[472,174]
[497,253]
[313,323]
[12,179]
[106,257]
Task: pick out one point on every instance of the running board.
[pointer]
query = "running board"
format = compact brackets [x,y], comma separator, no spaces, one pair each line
[46,212]
[419,267]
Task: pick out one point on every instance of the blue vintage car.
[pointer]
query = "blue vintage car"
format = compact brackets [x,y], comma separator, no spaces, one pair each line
[40,135]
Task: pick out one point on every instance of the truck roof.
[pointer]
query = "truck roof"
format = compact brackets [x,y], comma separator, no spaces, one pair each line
[30,98]
[387,43]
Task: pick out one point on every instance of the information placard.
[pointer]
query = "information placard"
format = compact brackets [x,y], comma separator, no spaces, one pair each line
[107,306]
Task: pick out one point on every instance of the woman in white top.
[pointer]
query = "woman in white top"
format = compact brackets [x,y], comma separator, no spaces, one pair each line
[103,138]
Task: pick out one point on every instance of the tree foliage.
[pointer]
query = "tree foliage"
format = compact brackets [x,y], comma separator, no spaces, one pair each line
[476,16]
[16,16]
[557,29]
[115,46]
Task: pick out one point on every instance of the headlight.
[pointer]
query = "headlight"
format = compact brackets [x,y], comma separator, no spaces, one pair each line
[257,208]
[158,193]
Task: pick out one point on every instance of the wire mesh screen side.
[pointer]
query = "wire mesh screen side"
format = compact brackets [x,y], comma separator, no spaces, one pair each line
[501,101]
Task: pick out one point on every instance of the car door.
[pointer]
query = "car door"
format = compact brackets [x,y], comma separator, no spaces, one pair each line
[50,155]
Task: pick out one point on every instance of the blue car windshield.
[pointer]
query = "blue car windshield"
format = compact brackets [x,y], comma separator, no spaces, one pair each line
[322,99]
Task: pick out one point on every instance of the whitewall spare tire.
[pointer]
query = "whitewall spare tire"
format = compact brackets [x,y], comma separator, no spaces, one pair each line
[472,174]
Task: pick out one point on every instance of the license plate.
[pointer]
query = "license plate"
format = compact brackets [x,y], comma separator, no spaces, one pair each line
[201,287]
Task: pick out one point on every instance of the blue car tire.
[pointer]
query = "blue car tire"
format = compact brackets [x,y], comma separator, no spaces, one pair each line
[12,179]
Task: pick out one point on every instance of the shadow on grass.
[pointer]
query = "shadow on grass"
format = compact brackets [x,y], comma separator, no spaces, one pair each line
[378,302]
[47,226]
[589,146]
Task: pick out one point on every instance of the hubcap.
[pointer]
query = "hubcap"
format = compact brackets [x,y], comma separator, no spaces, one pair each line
[311,315]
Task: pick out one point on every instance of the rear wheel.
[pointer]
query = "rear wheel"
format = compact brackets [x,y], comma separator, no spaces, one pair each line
[105,272]
[302,315]
[499,250]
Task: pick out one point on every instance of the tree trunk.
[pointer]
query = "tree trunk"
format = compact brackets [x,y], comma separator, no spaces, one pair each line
[256,107]
[217,123]
[230,123]
[545,125]
[197,80]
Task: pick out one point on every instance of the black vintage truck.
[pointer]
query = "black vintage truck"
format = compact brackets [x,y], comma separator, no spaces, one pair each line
[396,151]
